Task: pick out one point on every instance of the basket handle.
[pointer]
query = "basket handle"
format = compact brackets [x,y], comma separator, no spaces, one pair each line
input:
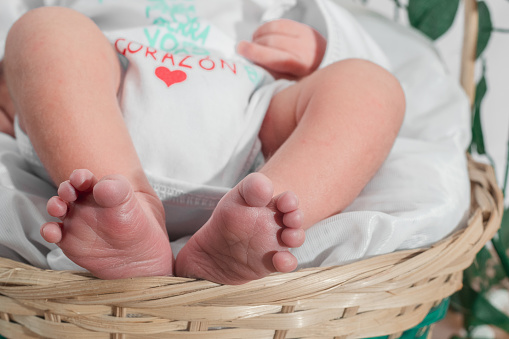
[470,31]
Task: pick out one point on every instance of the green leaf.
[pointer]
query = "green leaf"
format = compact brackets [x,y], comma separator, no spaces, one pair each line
[504,229]
[485,28]
[477,310]
[487,270]
[463,300]
[432,17]
[484,313]
[477,134]
[500,242]
[500,250]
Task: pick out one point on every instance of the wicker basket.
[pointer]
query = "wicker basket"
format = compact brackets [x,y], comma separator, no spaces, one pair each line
[383,295]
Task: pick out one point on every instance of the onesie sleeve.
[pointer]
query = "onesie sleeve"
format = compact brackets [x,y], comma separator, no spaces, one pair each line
[345,37]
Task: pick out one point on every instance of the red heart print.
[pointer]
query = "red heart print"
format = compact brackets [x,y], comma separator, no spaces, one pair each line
[170,77]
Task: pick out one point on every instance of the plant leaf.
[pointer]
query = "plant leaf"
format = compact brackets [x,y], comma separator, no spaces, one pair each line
[485,28]
[499,242]
[505,227]
[477,134]
[485,313]
[432,17]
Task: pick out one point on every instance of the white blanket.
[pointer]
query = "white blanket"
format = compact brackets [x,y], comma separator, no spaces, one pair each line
[419,196]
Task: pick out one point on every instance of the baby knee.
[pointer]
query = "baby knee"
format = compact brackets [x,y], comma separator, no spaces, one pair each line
[40,19]
[46,36]
[42,27]
[377,84]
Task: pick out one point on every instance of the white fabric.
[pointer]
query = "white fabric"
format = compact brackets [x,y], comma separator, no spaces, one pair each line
[420,194]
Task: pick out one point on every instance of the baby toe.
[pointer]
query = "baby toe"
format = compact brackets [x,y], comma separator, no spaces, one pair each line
[293,219]
[67,192]
[51,232]
[284,262]
[293,237]
[256,189]
[82,179]
[112,190]
[287,202]
[56,207]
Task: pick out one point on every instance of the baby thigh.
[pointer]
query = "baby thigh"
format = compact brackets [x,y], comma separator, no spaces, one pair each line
[63,76]
[327,135]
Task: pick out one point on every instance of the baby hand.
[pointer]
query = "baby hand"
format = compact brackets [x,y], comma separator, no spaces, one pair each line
[285,48]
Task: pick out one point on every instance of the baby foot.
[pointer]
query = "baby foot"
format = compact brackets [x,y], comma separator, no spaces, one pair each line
[108,228]
[247,237]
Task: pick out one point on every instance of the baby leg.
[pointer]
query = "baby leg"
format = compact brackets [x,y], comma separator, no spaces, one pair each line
[63,76]
[324,138]
[327,135]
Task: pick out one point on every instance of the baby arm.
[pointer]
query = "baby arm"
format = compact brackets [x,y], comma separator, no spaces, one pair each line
[285,48]
[6,106]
